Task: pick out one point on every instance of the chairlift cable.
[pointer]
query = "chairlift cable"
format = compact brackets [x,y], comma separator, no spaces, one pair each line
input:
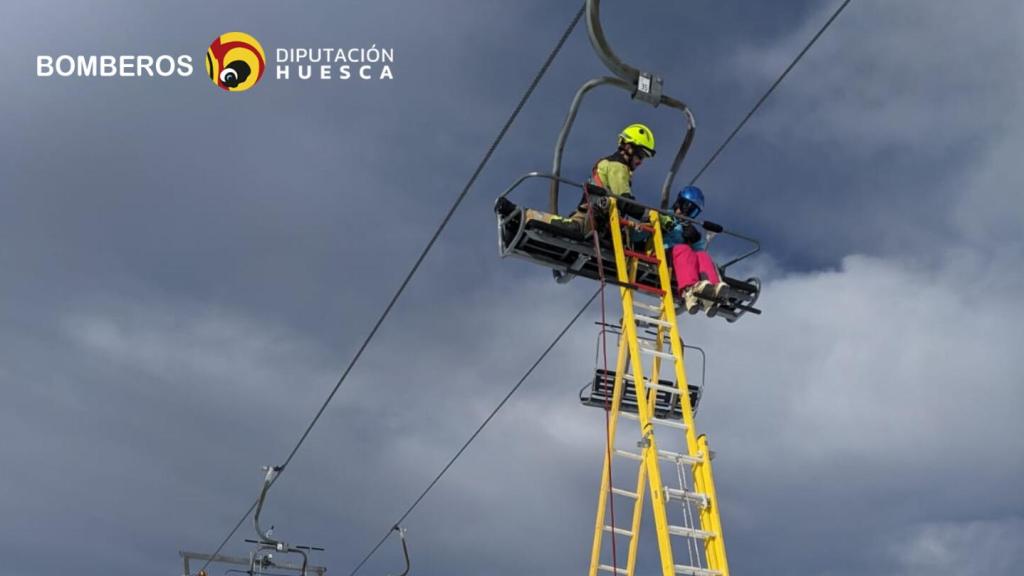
[430,244]
[769,92]
[479,429]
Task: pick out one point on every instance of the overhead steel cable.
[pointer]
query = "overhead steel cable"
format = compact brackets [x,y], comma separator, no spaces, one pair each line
[591,300]
[770,90]
[479,429]
[430,244]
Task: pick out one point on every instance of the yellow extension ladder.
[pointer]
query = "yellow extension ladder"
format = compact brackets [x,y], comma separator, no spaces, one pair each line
[689,535]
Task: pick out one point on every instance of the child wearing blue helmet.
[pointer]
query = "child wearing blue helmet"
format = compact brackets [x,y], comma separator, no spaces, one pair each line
[696,274]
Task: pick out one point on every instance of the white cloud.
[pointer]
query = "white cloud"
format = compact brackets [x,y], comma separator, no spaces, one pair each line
[203,351]
[962,548]
[876,354]
[895,74]
[865,396]
[912,106]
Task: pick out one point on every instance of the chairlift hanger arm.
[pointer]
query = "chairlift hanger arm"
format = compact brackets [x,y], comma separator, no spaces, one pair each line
[604,51]
[268,479]
[405,549]
[641,85]
[563,135]
[691,128]
[266,542]
[570,119]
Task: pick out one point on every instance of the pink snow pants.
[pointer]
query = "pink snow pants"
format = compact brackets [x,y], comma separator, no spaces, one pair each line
[691,266]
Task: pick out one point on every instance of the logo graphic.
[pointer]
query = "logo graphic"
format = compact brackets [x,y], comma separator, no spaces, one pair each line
[235,61]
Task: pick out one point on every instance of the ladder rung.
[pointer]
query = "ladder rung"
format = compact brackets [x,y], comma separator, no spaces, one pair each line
[662,455]
[661,421]
[625,493]
[690,532]
[646,306]
[659,354]
[652,321]
[630,378]
[663,388]
[646,288]
[652,307]
[694,571]
[619,531]
[628,454]
[686,495]
[631,224]
[677,457]
[641,256]
[669,423]
[607,568]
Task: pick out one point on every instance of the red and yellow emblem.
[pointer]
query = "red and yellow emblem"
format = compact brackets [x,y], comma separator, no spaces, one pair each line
[235,61]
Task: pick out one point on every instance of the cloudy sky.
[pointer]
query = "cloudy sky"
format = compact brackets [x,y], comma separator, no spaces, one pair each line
[184,274]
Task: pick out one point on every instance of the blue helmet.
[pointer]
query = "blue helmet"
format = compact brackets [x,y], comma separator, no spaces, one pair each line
[690,201]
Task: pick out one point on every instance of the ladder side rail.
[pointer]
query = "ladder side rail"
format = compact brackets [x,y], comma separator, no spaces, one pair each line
[701,470]
[638,512]
[641,474]
[650,448]
[710,515]
[605,492]
[651,400]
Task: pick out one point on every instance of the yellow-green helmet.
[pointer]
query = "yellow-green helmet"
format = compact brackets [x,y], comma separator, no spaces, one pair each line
[639,135]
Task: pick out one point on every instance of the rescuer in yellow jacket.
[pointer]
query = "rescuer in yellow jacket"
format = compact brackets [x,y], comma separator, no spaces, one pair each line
[614,173]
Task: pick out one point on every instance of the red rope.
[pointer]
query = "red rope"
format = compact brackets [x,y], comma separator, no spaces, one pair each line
[604,354]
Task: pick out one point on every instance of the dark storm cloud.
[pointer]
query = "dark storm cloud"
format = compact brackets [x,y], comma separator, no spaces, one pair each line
[184,274]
